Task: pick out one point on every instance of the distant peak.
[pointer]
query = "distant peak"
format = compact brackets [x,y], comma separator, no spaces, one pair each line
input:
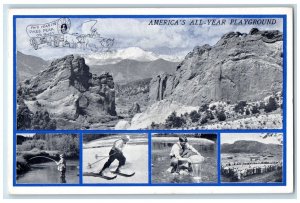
[130,53]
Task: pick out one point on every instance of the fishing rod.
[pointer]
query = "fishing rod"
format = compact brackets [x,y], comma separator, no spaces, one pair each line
[42,157]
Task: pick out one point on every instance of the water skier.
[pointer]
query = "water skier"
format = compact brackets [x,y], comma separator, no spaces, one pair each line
[116,152]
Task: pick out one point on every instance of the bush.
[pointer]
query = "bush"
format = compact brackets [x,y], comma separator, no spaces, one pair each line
[174,121]
[271,105]
[203,108]
[209,115]
[262,105]
[239,107]
[39,120]
[68,144]
[21,165]
[203,120]
[247,112]
[255,110]
[23,117]
[30,145]
[195,116]
[221,115]
[42,120]
[213,107]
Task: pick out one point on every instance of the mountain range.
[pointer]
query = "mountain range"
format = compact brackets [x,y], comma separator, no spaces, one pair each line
[247,146]
[130,53]
[129,70]
[240,66]
[28,65]
[125,65]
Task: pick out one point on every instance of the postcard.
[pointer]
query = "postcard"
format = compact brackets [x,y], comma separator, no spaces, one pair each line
[151,101]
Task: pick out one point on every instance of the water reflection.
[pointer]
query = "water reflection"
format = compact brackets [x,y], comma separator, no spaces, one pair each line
[47,173]
[202,172]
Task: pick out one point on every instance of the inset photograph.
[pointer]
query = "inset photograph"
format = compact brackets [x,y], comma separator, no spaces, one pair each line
[95,72]
[184,158]
[115,158]
[47,158]
[251,157]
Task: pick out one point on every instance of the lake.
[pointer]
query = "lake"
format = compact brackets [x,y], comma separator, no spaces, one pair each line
[161,162]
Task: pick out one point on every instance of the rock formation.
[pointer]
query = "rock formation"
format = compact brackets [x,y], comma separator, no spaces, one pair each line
[129,93]
[238,67]
[71,94]
[135,108]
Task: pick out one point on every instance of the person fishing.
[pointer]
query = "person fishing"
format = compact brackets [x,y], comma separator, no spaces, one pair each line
[116,152]
[179,155]
[62,166]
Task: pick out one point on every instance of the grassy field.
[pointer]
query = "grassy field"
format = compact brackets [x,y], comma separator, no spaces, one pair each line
[245,157]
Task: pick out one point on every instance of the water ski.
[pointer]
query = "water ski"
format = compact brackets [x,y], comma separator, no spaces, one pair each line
[124,173]
[105,176]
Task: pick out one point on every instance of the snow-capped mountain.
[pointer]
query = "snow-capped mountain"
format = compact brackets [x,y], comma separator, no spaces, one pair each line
[131,53]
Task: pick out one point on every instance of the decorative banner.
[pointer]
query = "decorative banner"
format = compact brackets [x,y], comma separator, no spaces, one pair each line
[57,27]
[55,34]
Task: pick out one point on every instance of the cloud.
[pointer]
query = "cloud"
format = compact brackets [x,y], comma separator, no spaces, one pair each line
[137,33]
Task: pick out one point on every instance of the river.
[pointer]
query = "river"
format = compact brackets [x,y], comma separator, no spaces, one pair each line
[47,173]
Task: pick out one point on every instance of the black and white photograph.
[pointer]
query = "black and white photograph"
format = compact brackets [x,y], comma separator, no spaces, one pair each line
[47,158]
[149,73]
[115,158]
[159,100]
[184,158]
[252,157]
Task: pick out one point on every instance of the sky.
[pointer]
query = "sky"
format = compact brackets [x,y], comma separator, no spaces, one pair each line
[138,32]
[232,137]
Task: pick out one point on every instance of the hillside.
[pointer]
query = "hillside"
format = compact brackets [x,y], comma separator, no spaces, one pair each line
[246,146]
[238,67]
[234,84]
[131,93]
[28,66]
